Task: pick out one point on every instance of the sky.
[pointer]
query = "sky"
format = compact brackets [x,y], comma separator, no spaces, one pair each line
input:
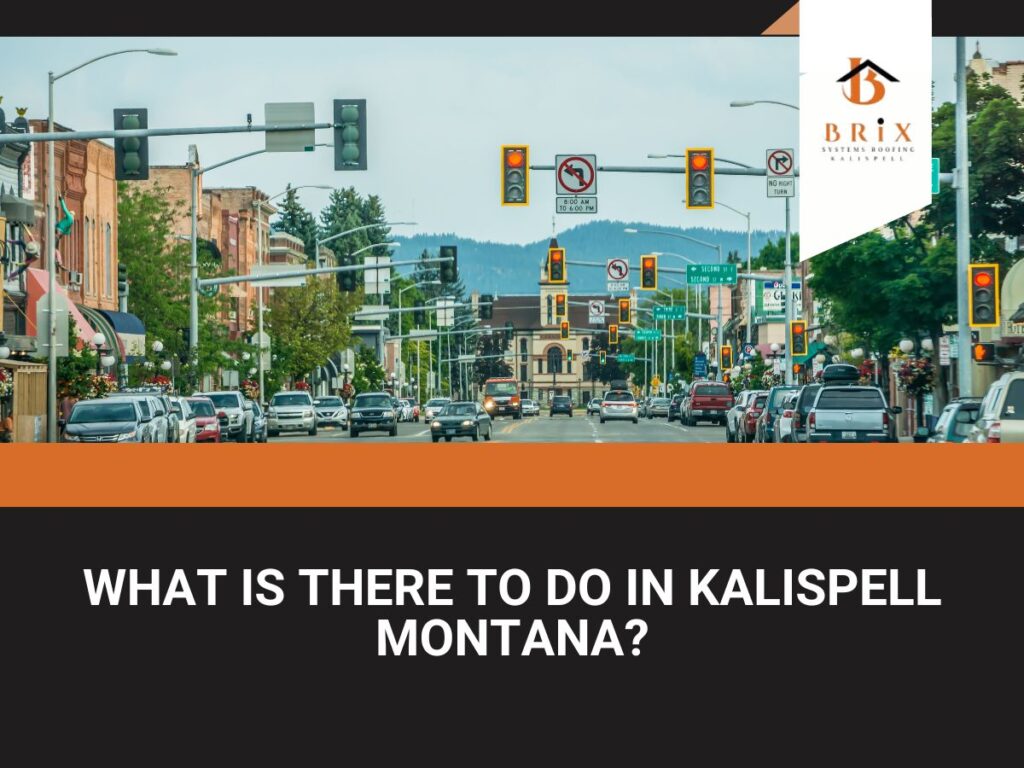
[438,110]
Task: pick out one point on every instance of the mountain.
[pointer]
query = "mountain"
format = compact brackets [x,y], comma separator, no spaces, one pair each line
[503,268]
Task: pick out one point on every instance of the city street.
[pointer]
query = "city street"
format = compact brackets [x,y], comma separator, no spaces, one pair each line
[544,429]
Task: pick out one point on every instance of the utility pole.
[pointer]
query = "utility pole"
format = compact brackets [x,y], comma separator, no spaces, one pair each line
[788,294]
[963,223]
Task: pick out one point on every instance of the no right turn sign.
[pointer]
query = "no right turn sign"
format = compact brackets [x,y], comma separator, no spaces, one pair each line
[780,178]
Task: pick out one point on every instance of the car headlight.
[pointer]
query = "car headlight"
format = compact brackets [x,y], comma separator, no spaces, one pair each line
[271,412]
[72,438]
[211,427]
[489,404]
[126,436]
[435,425]
[357,414]
[467,423]
[388,414]
[306,414]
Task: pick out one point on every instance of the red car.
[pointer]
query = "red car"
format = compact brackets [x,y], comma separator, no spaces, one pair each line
[749,419]
[707,401]
[207,422]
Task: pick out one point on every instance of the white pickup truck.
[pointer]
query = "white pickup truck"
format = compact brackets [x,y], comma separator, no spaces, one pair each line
[1001,419]
[851,414]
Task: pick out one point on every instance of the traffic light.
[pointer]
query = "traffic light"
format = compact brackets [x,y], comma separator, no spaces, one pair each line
[797,337]
[623,311]
[419,316]
[350,134]
[568,355]
[726,356]
[449,269]
[565,329]
[649,273]
[515,174]
[556,265]
[346,280]
[560,305]
[726,378]
[798,368]
[131,156]
[700,178]
[603,357]
[122,279]
[485,306]
[983,295]
[613,335]
[984,352]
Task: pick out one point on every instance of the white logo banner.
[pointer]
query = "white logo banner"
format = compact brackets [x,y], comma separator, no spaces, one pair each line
[865,117]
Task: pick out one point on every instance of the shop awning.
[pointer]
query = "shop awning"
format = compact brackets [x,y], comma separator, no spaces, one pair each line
[812,351]
[130,331]
[36,288]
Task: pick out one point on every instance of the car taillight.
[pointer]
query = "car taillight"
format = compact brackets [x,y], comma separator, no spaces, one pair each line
[787,414]
[995,433]
[515,400]
[885,419]
[810,421]
[796,420]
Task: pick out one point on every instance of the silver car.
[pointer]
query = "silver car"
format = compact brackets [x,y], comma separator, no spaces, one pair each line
[619,404]
[331,410]
[530,408]
[434,406]
[154,414]
[117,420]
[291,412]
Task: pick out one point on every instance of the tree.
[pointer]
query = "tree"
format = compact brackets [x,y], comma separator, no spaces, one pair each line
[296,220]
[309,324]
[368,375]
[487,366]
[773,255]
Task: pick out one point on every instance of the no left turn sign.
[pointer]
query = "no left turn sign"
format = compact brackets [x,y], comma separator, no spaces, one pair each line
[575,174]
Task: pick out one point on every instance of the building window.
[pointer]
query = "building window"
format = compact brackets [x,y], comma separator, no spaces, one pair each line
[568,366]
[586,343]
[555,360]
[86,264]
[551,317]
[540,366]
[108,261]
[523,373]
[522,346]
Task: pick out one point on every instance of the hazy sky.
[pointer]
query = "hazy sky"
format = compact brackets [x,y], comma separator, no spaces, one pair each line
[439,108]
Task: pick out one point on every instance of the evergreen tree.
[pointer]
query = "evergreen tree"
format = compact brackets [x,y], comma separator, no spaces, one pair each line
[296,220]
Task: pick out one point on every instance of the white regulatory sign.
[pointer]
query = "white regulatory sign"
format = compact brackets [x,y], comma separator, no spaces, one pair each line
[780,178]
[575,175]
[597,311]
[617,271]
[576,204]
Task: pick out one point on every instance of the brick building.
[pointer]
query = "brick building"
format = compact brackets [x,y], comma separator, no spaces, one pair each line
[1007,74]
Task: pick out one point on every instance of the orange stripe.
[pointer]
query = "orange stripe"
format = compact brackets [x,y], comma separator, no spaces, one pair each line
[365,473]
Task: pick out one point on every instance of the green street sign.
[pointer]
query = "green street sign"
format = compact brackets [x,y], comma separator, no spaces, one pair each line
[625,357]
[935,175]
[670,313]
[711,274]
[647,334]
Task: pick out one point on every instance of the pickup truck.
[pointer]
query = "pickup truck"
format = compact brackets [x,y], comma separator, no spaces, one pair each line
[708,401]
[1002,412]
[851,414]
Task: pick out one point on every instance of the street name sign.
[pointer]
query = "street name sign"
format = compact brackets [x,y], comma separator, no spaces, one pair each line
[626,357]
[670,313]
[935,175]
[287,271]
[780,173]
[710,274]
[647,334]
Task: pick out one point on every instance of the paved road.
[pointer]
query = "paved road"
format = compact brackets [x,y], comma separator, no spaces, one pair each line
[545,429]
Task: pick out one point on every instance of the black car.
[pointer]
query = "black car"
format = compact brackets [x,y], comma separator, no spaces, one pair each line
[560,404]
[461,419]
[373,412]
[674,406]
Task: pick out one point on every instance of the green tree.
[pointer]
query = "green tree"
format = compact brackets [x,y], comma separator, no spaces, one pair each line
[773,254]
[487,366]
[309,324]
[368,375]
[296,220]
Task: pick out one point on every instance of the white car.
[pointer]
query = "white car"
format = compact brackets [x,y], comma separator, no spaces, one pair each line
[331,411]
[530,408]
[186,419]
[619,404]
[784,423]
[434,406]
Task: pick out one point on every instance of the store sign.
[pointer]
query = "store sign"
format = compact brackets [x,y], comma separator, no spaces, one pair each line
[770,301]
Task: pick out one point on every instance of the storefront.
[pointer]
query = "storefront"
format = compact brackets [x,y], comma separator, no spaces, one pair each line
[23,399]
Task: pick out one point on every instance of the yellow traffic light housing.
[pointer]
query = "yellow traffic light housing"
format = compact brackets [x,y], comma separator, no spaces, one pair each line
[700,178]
[556,265]
[515,174]
[649,272]
[726,356]
[560,302]
[565,329]
[983,295]
[623,311]
[613,335]
[797,338]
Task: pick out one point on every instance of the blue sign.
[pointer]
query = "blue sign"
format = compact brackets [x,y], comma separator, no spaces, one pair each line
[700,364]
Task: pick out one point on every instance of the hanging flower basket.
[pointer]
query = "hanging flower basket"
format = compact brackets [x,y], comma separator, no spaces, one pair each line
[770,379]
[867,373]
[159,381]
[101,386]
[916,376]
[250,389]
[6,383]
[302,385]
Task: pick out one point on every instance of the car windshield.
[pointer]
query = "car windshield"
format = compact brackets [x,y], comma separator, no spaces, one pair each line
[500,388]
[850,399]
[716,390]
[373,401]
[437,403]
[294,398]
[759,401]
[93,413]
[328,402]
[1013,407]
[661,401]
[224,400]
[807,397]
[201,408]
[779,397]
[459,409]
[563,399]
[618,397]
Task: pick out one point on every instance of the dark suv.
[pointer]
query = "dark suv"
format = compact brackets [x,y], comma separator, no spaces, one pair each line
[674,406]
[560,404]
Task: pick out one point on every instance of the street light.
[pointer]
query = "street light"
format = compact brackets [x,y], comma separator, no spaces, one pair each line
[762,101]
[927,344]
[5,351]
[906,346]
[158,346]
[750,303]
[104,358]
[857,353]
[51,203]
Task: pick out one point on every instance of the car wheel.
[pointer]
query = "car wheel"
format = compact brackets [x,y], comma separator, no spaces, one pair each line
[394,431]
[487,436]
[602,421]
[728,434]
[312,432]
[476,435]
[434,438]
[271,433]
[517,415]
[447,439]
[353,433]
[636,421]
[570,414]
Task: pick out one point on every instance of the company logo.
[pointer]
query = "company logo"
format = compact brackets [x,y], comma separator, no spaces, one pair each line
[864,73]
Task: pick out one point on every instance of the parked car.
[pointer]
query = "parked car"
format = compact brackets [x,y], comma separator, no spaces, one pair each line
[239,418]
[331,411]
[414,409]
[804,401]
[259,423]
[642,405]
[207,422]
[708,401]
[291,412]
[783,430]
[594,406]
[434,406]
[955,421]
[773,407]
[1001,419]
[107,420]
[531,408]
[850,414]
[619,404]
[373,412]
[733,419]
[674,406]
[163,427]
[560,404]
[461,419]
[658,407]
[186,419]
[751,417]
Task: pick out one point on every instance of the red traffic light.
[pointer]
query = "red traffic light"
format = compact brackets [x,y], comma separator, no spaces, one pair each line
[515,158]
[798,328]
[699,162]
[982,279]
[648,263]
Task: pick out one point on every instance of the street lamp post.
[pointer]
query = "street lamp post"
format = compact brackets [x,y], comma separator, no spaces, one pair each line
[103,357]
[51,266]
[750,302]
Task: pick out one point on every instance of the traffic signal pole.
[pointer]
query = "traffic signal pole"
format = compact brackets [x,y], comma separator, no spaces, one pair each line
[963,224]
[788,294]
